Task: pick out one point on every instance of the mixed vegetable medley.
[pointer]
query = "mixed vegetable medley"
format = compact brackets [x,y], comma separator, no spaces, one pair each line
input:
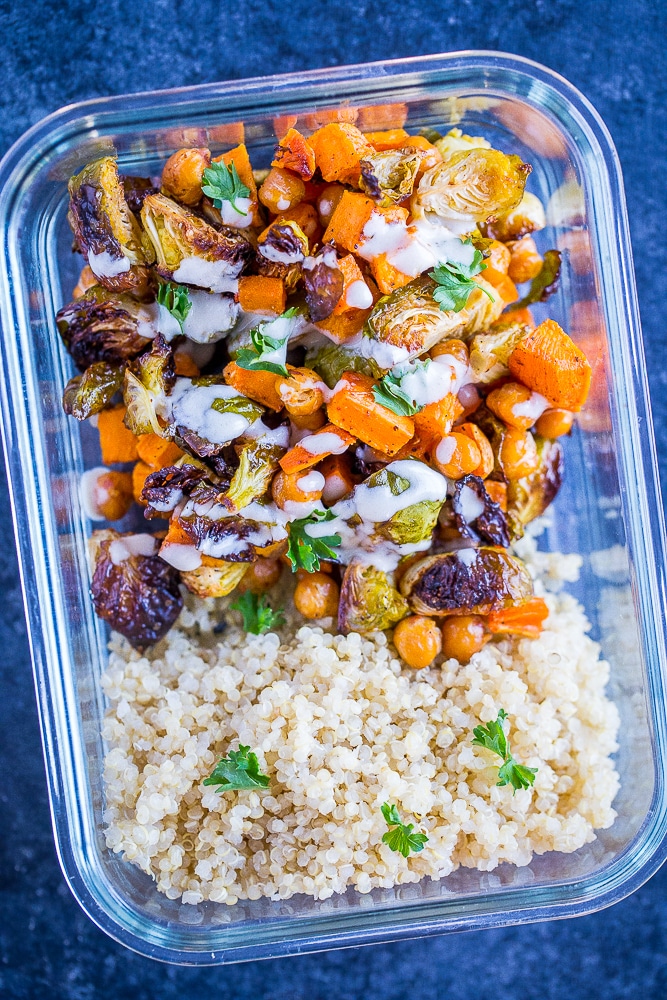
[324,367]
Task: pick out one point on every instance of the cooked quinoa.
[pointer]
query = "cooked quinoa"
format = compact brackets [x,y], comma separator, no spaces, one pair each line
[341,727]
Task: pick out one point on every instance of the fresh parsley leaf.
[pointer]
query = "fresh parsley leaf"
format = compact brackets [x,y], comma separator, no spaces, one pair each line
[258,617]
[389,391]
[544,284]
[222,183]
[176,300]
[399,837]
[455,282]
[304,550]
[493,737]
[237,771]
[263,345]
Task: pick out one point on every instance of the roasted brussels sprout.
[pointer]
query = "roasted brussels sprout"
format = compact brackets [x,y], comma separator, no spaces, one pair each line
[281,250]
[389,176]
[88,394]
[104,327]
[215,581]
[148,381]
[368,600]
[166,488]
[526,217]
[331,360]
[105,230]
[490,351]
[469,581]
[475,511]
[191,251]
[470,187]
[232,538]
[528,498]
[323,282]
[134,590]
[257,466]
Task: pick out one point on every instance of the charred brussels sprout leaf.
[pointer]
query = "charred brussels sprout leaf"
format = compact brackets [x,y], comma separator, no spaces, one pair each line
[331,360]
[148,381]
[323,284]
[368,601]
[474,508]
[214,537]
[99,327]
[387,477]
[470,581]
[526,217]
[490,351]
[389,176]
[257,466]
[281,250]
[139,596]
[165,489]
[93,391]
[543,284]
[214,581]
[528,498]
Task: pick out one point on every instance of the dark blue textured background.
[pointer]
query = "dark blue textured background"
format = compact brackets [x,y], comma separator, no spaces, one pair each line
[53,54]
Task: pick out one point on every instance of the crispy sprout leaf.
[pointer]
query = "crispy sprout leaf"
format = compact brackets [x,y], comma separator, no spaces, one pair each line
[399,837]
[139,596]
[148,381]
[543,284]
[222,183]
[241,405]
[529,497]
[258,617]
[305,551]
[238,771]
[101,327]
[493,737]
[389,176]
[387,477]
[411,524]
[257,466]
[166,488]
[93,391]
[176,300]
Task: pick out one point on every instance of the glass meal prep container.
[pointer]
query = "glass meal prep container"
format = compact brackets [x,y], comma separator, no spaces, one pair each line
[608,510]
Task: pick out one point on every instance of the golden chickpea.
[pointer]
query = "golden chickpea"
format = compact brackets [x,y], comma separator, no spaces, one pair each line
[418,641]
[328,200]
[111,494]
[301,392]
[311,421]
[463,636]
[281,190]
[456,456]
[525,261]
[555,423]
[512,404]
[261,575]
[485,467]
[182,174]
[456,348]
[499,257]
[296,487]
[316,596]
[518,453]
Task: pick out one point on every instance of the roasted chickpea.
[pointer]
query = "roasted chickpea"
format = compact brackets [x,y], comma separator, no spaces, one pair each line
[499,257]
[107,494]
[456,348]
[485,467]
[463,636]
[418,641]
[525,262]
[555,423]
[182,174]
[456,455]
[296,487]
[518,453]
[261,575]
[328,200]
[301,392]
[311,421]
[316,596]
[513,404]
[281,190]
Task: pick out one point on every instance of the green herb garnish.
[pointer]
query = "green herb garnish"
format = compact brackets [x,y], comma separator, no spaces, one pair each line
[258,617]
[390,393]
[222,183]
[305,551]
[492,737]
[176,300]
[237,771]
[455,282]
[253,358]
[399,837]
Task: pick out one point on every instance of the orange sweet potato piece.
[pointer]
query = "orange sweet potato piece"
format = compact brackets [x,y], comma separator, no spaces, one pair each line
[436,419]
[388,277]
[346,225]
[338,478]
[281,190]
[257,385]
[324,116]
[431,153]
[525,619]
[339,148]
[262,294]
[184,364]
[156,451]
[294,152]
[140,474]
[393,138]
[299,458]
[344,326]
[118,444]
[354,408]
[549,362]
[502,283]
[385,116]
[523,316]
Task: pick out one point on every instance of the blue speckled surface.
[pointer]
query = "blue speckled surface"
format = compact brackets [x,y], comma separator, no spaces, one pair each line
[53,54]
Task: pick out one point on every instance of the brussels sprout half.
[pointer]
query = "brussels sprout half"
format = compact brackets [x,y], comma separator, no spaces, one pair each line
[368,601]
[101,326]
[528,498]
[389,176]
[469,581]
[148,381]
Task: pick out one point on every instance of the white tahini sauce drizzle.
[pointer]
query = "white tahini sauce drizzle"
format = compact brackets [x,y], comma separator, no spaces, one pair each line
[533,407]
[89,492]
[239,217]
[467,556]
[182,557]
[218,275]
[103,265]
[311,482]
[132,545]
[359,295]
[211,316]
[324,443]
[445,450]
[471,505]
[191,406]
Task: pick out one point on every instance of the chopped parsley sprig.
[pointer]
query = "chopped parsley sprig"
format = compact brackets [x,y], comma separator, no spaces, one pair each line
[389,392]
[399,837]
[222,183]
[176,300]
[305,551]
[492,737]
[258,617]
[454,281]
[237,771]
[263,346]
